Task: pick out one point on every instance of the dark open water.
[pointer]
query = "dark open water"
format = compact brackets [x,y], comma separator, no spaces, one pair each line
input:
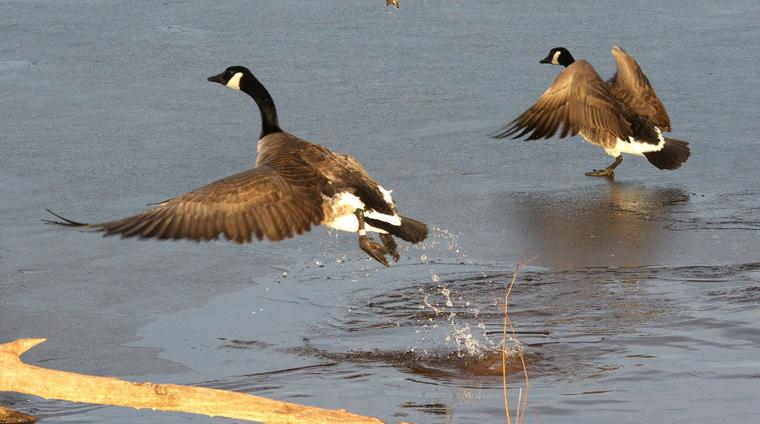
[642,304]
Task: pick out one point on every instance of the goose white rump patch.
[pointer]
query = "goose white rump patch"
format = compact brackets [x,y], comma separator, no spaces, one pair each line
[386,194]
[636,147]
[339,213]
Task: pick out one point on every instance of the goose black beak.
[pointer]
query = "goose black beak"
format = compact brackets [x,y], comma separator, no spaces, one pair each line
[547,59]
[217,78]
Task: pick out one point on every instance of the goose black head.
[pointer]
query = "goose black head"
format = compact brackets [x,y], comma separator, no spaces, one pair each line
[232,76]
[559,56]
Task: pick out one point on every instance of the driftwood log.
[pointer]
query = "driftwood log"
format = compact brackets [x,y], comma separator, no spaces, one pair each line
[16,376]
[9,416]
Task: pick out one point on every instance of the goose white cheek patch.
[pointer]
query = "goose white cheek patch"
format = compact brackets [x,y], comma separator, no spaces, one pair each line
[555,58]
[234,82]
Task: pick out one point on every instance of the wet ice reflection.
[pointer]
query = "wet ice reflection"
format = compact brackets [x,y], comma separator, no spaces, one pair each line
[613,224]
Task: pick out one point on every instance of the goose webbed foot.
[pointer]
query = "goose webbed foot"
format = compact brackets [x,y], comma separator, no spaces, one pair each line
[390,246]
[374,250]
[608,172]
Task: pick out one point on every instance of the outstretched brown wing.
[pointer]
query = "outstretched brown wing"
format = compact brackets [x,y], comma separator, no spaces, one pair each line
[261,202]
[577,100]
[632,88]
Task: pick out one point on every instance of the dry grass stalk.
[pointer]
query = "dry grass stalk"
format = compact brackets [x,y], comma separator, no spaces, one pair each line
[9,416]
[522,401]
[16,376]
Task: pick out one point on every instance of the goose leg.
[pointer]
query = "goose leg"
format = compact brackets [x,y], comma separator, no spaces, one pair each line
[374,250]
[390,246]
[608,171]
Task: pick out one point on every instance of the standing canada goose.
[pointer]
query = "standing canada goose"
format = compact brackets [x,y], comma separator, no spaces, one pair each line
[622,116]
[295,184]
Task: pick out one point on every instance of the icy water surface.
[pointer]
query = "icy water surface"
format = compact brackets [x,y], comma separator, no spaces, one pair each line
[641,305]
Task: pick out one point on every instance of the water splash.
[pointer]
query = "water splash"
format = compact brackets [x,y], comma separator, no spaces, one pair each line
[468,341]
[464,339]
[514,347]
[438,246]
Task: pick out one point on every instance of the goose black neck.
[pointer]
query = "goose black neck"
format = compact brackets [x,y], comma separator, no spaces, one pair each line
[269,124]
[566,59]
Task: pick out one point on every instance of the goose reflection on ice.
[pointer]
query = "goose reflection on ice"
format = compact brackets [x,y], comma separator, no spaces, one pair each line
[613,225]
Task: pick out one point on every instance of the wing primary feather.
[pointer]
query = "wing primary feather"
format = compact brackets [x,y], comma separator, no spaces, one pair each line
[152,229]
[278,223]
[63,221]
[173,231]
[131,229]
[165,224]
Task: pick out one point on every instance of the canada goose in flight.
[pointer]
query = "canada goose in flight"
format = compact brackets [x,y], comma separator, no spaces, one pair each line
[295,184]
[622,116]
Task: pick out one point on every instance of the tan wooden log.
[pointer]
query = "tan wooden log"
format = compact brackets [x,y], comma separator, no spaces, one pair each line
[9,416]
[16,376]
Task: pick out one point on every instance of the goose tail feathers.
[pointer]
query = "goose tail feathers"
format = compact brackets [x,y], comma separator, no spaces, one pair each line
[671,156]
[410,229]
